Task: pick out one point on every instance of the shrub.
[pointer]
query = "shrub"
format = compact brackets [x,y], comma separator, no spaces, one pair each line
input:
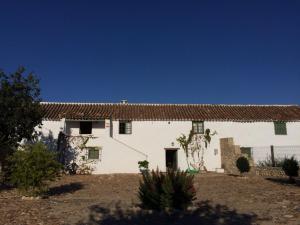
[290,167]
[242,164]
[32,168]
[268,162]
[171,190]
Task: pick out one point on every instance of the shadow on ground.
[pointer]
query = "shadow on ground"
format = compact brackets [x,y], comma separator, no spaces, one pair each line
[4,187]
[284,181]
[233,175]
[65,189]
[204,214]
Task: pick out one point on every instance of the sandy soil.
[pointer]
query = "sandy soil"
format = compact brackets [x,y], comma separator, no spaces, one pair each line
[112,199]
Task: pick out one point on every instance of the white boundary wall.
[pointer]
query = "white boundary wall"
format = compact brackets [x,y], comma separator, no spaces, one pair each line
[280,152]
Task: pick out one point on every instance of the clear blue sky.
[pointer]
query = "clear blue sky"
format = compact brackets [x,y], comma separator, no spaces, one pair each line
[156,51]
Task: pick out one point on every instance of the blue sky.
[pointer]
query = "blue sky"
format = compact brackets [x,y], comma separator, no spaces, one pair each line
[237,52]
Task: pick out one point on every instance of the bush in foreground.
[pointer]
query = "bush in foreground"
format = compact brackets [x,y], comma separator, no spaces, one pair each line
[32,168]
[242,164]
[290,167]
[167,191]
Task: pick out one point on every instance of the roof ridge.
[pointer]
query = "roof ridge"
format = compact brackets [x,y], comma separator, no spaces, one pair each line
[169,104]
[152,111]
[79,103]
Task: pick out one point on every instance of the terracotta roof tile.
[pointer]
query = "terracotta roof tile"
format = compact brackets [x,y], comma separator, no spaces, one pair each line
[94,111]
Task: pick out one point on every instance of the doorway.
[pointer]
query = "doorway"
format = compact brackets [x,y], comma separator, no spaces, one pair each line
[171,159]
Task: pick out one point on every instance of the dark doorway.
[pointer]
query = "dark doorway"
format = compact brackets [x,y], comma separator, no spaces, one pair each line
[171,159]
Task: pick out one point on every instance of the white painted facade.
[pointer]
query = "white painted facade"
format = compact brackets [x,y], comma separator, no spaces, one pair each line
[121,152]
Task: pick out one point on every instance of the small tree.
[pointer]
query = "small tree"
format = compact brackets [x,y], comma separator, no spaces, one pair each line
[32,168]
[171,190]
[291,168]
[242,164]
[184,142]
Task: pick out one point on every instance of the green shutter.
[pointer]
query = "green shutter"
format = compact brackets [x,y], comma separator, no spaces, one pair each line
[280,128]
[93,153]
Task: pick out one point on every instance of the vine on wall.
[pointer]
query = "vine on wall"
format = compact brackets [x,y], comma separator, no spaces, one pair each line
[71,147]
[194,146]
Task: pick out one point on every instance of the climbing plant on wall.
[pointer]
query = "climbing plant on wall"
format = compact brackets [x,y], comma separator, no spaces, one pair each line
[194,146]
[75,153]
[184,141]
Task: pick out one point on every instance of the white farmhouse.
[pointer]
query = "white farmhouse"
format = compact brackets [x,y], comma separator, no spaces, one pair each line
[121,134]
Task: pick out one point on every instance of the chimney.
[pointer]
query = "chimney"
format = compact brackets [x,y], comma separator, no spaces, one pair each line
[124,101]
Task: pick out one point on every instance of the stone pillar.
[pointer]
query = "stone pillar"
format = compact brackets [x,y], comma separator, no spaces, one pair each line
[229,154]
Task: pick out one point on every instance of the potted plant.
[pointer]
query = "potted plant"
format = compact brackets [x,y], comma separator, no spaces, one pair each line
[143,166]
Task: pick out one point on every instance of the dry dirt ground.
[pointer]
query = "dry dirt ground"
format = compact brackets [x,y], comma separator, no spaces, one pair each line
[112,199]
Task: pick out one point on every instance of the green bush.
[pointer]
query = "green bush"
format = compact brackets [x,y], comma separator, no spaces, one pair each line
[171,190]
[290,167]
[242,164]
[32,168]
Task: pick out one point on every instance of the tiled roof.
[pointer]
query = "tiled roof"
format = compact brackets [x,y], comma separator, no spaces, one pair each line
[94,111]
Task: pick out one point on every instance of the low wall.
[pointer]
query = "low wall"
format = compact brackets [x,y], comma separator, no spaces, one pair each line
[270,171]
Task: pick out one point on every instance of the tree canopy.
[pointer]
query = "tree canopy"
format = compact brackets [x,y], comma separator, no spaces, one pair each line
[19,109]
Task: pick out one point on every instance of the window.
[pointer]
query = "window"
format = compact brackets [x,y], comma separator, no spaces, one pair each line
[198,127]
[85,127]
[93,153]
[125,127]
[280,128]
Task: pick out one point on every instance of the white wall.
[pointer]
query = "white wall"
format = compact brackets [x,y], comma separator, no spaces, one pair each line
[121,153]
[52,127]
[257,134]
[153,137]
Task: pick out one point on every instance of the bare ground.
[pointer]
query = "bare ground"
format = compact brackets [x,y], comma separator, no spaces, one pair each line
[112,199]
